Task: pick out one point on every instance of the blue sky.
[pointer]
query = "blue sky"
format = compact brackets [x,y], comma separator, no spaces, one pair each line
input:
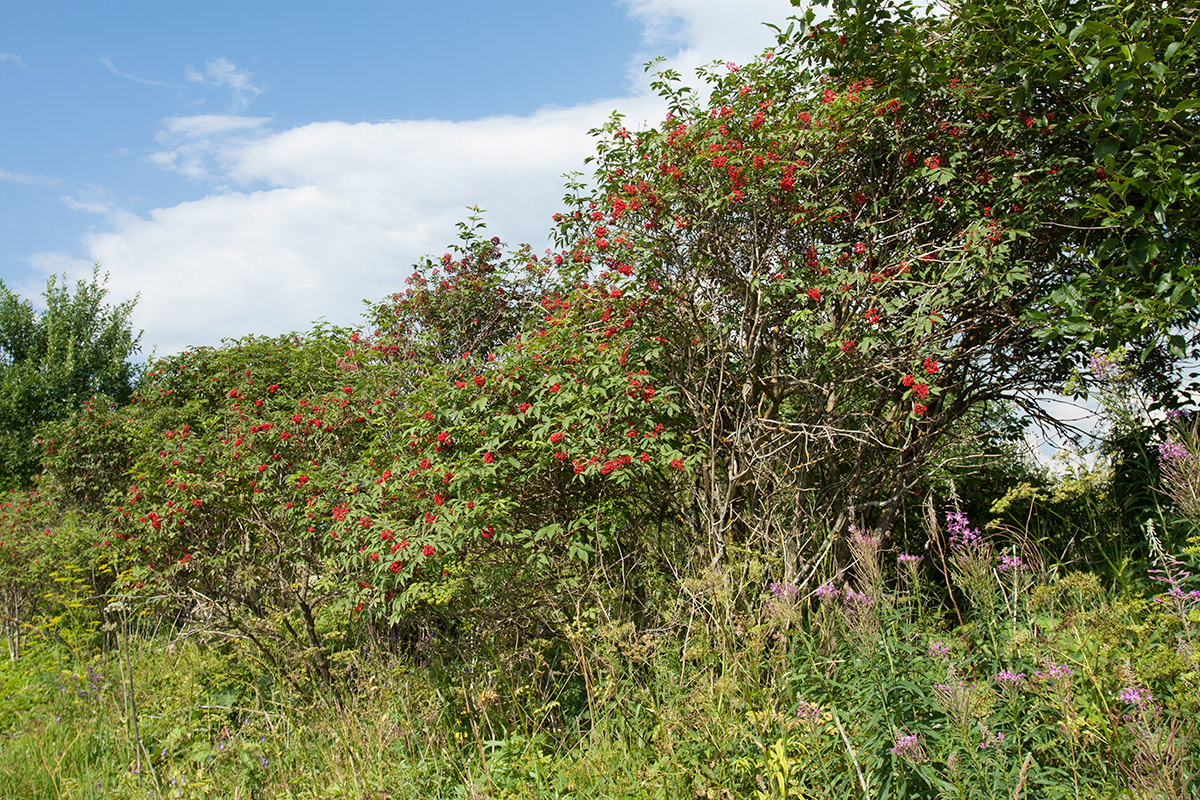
[249,167]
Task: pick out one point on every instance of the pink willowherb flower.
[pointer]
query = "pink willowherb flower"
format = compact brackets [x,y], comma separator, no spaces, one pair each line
[827,591]
[908,747]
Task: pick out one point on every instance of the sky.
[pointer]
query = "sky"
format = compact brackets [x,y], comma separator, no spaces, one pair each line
[252,167]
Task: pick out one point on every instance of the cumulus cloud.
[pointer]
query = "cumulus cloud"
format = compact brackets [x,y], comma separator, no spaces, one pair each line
[697,32]
[306,222]
[198,146]
[349,208]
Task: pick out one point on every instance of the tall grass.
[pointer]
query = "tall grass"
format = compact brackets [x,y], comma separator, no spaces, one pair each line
[736,687]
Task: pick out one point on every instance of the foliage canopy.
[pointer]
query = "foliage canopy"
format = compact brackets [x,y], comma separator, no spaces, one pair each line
[52,361]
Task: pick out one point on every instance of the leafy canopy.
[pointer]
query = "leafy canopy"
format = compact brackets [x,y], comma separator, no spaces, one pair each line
[52,361]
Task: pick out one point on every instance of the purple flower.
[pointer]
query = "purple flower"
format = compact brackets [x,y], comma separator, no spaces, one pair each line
[909,748]
[857,599]
[990,739]
[1009,678]
[1012,563]
[905,558]
[1104,365]
[786,591]
[938,649]
[962,535]
[1133,696]
[809,712]
[1172,451]
[1055,671]
[827,591]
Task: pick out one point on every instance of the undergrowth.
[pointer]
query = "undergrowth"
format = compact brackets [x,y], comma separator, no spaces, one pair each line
[736,687]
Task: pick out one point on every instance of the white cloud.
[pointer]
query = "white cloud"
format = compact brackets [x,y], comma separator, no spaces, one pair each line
[28,179]
[15,59]
[699,32]
[223,73]
[197,146]
[307,222]
[92,199]
[129,76]
[350,208]
[44,265]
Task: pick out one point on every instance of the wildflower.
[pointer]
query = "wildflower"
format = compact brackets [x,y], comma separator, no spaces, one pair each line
[827,591]
[853,599]
[1011,563]
[1171,451]
[1009,681]
[1055,671]
[1104,365]
[908,747]
[939,649]
[864,547]
[962,535]
[957,698]
[1134,696]
[809,712]
[910,569]
[783,590]
[990,739]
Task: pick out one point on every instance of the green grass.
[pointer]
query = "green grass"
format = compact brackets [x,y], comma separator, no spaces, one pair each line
[729,694]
